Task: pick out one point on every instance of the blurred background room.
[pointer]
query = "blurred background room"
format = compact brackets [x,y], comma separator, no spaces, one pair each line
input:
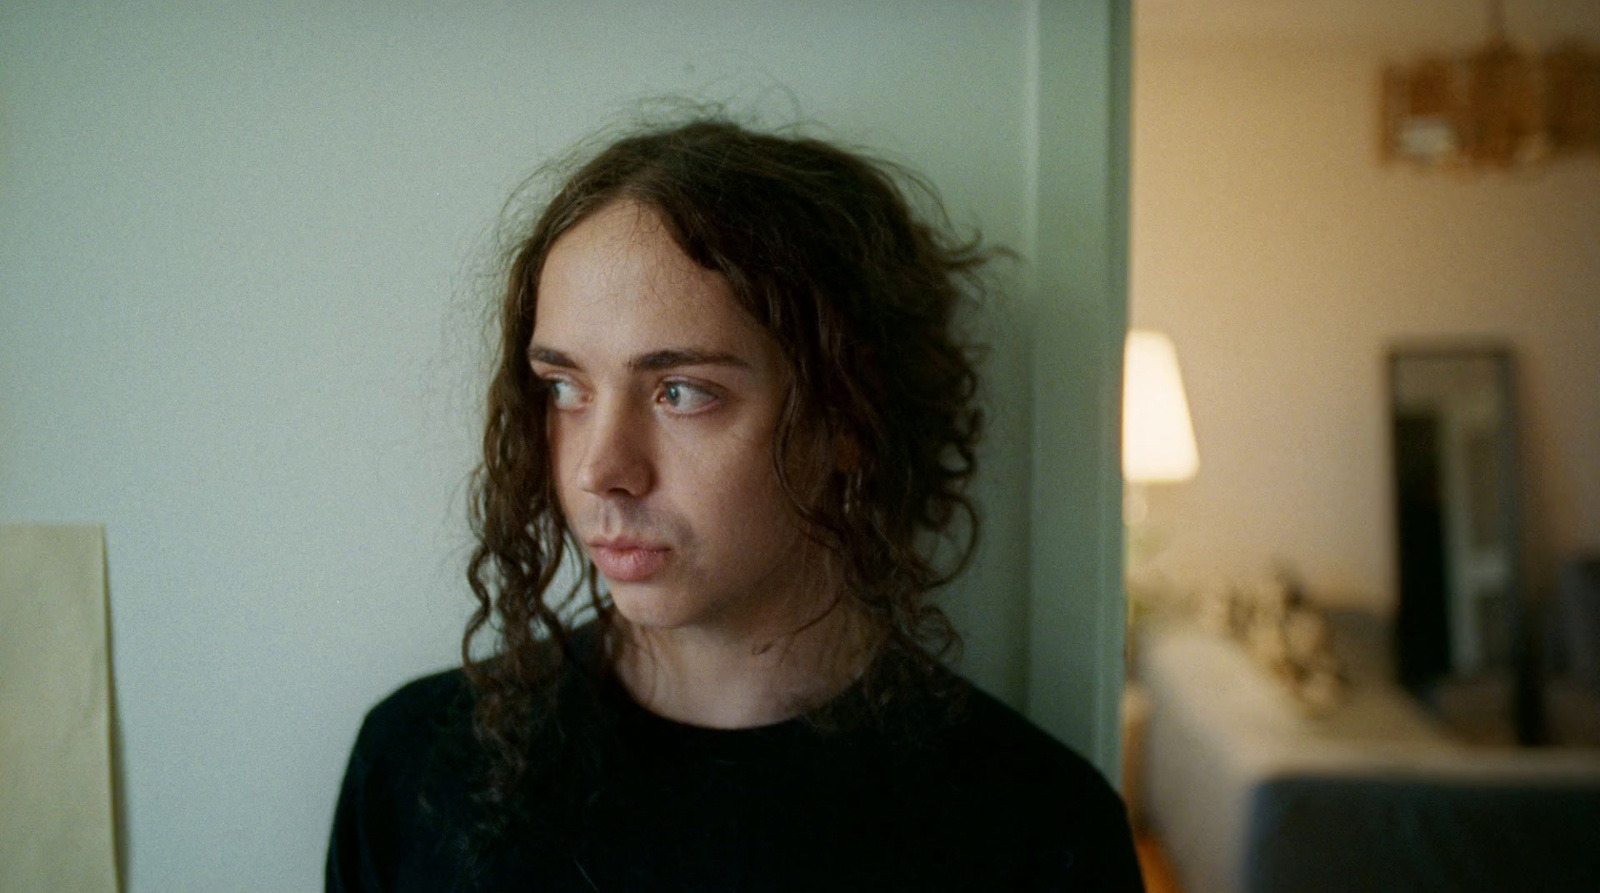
[1366,623]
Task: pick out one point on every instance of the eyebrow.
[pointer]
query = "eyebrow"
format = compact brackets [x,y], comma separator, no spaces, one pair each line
[654,361]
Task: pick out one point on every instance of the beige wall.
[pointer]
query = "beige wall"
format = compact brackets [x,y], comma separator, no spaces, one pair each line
[1284,260]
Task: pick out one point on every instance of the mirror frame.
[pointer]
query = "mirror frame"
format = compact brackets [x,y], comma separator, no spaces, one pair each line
[1422,632]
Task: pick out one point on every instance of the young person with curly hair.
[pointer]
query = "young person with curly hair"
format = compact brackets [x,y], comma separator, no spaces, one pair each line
[729,395]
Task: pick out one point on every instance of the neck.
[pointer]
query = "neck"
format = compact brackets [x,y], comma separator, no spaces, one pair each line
[734,681]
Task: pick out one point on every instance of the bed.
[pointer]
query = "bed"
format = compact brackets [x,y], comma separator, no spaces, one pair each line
[1249,792]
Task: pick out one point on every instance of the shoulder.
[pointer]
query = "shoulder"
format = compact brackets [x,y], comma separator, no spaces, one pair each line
[957,731]
[398,793]
[1046,814]
[417,739]
[421,697]
[419,712]
[1008,752]
[430,720]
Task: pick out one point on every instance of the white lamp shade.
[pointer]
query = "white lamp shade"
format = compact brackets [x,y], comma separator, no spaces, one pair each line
[1157,434]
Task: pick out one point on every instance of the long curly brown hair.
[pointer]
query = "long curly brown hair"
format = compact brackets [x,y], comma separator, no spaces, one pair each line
[850,264]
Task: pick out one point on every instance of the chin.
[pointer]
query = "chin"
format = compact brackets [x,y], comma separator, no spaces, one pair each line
[651,607]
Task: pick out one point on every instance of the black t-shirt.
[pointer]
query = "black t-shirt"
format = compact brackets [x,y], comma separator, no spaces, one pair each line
[975,799]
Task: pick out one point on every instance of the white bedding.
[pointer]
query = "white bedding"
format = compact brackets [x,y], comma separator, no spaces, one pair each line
[1219,727]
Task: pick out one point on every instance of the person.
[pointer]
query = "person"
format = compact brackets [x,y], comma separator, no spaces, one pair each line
[730,400]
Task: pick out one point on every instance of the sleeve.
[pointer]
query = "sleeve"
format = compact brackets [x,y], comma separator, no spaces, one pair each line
[384,839]
[355,847]
[1092,850]
[1116,860]
[1095,854]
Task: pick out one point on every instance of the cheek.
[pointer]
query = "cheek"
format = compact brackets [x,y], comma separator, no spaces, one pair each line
[762,505]
[732,488]
[558,447]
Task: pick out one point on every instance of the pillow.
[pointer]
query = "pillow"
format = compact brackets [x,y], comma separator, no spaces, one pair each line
[1288,635]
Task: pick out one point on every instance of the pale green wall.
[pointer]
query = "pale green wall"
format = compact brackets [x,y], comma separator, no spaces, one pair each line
[240,258]
[1077,622]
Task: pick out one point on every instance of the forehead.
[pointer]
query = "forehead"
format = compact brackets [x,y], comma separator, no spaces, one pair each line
[617,284]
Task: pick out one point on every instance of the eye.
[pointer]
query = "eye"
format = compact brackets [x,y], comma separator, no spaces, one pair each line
[680,396]
[563,394]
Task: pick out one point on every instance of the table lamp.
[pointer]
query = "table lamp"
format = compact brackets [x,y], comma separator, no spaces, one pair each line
[1157,434]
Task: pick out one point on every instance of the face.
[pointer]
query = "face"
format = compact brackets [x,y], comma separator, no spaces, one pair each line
[663,399]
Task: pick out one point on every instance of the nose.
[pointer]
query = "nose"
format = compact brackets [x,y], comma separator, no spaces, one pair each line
[616,452]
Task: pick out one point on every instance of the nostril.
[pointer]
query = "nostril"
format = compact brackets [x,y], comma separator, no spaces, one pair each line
[616,461]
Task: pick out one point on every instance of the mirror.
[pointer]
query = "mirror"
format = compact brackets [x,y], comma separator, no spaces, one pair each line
[1460,606]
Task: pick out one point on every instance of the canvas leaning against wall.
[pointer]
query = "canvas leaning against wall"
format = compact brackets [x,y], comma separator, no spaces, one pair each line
[56,826]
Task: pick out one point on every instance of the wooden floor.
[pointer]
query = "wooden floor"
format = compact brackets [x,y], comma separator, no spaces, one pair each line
[1158,877]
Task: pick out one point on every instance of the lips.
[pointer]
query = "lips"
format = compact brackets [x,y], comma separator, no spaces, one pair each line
[627,561]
